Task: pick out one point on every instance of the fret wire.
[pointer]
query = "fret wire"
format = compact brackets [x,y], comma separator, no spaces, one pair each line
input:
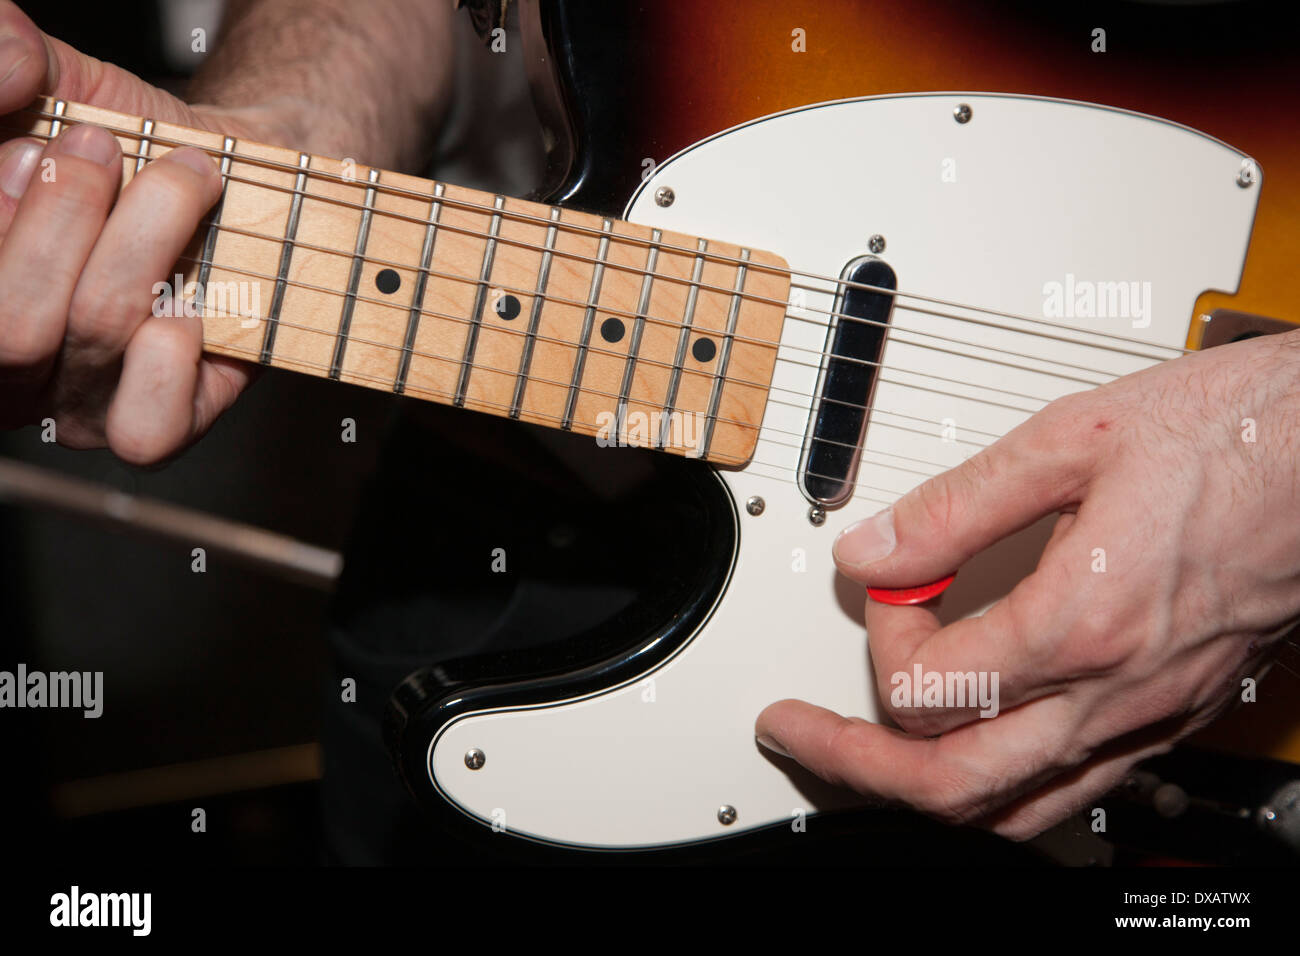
[417,297]
[724,357]
[286,255]
[638,326]
[683,339]
[354,278]
[784,272]
[535,315]
[146,129]
[588,319]
[480,302]
[214,229]
[56,123]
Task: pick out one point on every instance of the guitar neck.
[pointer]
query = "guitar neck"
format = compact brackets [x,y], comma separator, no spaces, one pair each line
[637,336]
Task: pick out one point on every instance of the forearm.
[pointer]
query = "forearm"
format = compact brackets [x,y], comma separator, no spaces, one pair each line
[367,81]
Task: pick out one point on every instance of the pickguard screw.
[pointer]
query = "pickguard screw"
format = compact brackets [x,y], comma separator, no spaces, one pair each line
[817,515]
[755,505]
[475,758]
[876,243]
[962,113]
[726,815]
[1248,173]
[664,196]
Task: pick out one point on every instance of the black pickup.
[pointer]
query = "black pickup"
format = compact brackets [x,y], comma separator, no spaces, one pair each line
[855,341]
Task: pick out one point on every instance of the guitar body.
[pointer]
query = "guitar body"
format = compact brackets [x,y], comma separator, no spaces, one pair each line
[1028,195]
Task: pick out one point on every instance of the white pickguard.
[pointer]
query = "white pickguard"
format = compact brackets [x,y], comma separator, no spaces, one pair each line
[1029,191]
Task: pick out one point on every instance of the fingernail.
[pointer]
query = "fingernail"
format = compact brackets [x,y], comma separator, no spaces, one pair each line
[16,172]
[770,744]
[867,541]
[91,142]
[195,159]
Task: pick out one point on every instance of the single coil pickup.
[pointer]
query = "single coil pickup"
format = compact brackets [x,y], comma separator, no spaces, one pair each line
[855,341]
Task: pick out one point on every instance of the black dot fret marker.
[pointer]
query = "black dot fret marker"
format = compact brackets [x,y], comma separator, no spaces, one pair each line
[507,307]
[387,281]
[611,330]
[704,350]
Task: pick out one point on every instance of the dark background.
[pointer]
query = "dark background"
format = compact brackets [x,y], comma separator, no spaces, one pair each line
[200,669]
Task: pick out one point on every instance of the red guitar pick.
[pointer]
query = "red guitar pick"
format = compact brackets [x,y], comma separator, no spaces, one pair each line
[915,595]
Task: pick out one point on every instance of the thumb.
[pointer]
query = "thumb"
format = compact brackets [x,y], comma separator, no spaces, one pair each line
[33,64]
[937,526]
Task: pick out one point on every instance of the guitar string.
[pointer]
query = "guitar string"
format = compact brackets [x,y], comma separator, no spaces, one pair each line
[474,404]
[803,405]
[811,351]
[589,390]
[733,336]
[592,349]
[765,343]
[571,227]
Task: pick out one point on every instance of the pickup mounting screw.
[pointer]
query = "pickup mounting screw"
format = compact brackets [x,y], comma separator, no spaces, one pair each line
[817,516]
[876,243]
[475,758]
[726,815]
[962,113]
[664,196]
[755,505]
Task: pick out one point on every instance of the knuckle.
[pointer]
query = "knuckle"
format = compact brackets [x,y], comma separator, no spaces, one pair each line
[933,503]
[27,342]
[96,310]
[1097,644]
[79,183]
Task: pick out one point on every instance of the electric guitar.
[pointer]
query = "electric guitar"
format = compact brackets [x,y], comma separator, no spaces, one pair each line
[822,290]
